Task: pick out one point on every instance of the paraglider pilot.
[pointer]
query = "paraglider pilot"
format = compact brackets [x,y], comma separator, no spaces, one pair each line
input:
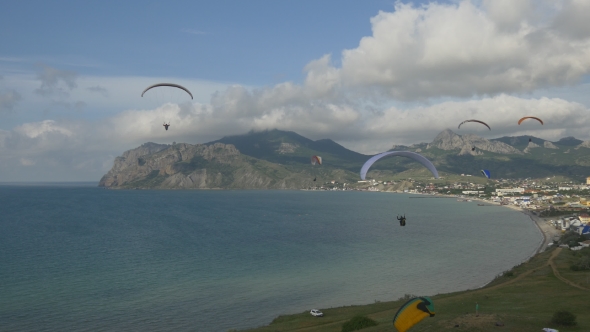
[166,125]
[402,220]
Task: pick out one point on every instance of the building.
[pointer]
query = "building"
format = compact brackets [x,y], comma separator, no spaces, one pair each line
[588,180]
[584,218]
[500,192]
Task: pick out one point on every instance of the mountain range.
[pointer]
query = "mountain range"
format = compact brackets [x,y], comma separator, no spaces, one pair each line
[276,159]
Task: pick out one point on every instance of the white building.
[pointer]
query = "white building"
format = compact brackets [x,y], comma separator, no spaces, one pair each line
[501,192]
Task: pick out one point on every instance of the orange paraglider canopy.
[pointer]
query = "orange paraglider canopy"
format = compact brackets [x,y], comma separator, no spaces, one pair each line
[529,117]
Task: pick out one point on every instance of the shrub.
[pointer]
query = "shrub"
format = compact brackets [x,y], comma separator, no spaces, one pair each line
[357,323]
[509,274]
[581,264]
[565,318]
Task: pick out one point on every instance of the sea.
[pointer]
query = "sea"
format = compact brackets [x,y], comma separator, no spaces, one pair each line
[75,257]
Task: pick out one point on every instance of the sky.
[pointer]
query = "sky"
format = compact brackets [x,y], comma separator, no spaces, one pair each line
[368,74]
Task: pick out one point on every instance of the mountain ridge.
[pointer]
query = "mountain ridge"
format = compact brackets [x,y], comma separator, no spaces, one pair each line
[277,159]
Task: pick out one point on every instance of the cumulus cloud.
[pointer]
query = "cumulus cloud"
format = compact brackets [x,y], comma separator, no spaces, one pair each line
[497,51]
[572,20]
[8,100]
[462,50]
[55,82]
[99,89]
[88,148]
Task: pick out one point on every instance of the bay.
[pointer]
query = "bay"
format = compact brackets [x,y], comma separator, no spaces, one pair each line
[81,258]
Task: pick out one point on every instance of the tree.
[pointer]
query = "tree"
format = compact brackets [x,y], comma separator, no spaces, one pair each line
[565,318]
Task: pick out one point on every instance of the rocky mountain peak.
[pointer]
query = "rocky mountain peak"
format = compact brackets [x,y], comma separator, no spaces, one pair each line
[448,140]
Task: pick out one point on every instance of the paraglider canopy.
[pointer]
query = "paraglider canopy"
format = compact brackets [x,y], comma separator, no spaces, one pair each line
[530,117]
[486,173]
[173,85]
[408,154]
[316,160]
[412,312]
[473,120]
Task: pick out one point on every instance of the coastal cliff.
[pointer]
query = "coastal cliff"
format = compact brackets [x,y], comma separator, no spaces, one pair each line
[187,166]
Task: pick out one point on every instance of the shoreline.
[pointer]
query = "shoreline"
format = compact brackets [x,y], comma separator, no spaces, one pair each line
[547,231]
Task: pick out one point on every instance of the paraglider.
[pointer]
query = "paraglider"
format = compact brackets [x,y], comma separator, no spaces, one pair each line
[315,160]
[473,120]
[169,85]
[163,94]
[413,312]
[402,220]
[530,117]
[485,173]
[408,154]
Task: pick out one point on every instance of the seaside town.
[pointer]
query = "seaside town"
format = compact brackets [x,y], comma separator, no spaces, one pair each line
[560,207]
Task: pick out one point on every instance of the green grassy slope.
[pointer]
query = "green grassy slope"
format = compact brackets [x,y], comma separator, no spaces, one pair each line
[523,302]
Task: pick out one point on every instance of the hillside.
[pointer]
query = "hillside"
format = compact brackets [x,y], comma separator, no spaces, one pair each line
[214,166]
[287,147]
[277,159]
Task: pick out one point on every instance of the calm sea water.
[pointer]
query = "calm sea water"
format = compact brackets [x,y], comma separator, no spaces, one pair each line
[88,259]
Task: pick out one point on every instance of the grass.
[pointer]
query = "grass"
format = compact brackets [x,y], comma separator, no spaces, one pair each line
[524,301]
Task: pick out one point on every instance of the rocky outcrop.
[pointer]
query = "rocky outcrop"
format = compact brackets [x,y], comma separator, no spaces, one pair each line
[123,164]
[549,145]
[531,145]
[448,140]
[585,144]
[187,166]
[287,148]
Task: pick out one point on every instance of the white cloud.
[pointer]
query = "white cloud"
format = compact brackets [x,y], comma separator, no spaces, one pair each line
[55,82]
[515,57]
[461,50]
[34,130]
[99,89]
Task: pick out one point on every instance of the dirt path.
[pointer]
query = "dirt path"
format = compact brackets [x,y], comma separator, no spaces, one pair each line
[549,263]
[556,272]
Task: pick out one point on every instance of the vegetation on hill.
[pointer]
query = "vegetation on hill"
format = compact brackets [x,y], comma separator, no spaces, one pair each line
[277,159]
[525,298]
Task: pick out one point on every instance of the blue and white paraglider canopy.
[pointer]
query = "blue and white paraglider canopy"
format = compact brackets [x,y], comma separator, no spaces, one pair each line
[408,154]
[486,173]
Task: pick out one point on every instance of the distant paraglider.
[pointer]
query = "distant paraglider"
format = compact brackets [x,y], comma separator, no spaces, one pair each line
[486,173]
[402,220]
[408,154]
[530,117]
[473,120]
[413,312]
[169,85]
[315,160]
[167,93]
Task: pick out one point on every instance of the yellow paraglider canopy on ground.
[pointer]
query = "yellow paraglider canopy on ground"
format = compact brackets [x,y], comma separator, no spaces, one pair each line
[412,312]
